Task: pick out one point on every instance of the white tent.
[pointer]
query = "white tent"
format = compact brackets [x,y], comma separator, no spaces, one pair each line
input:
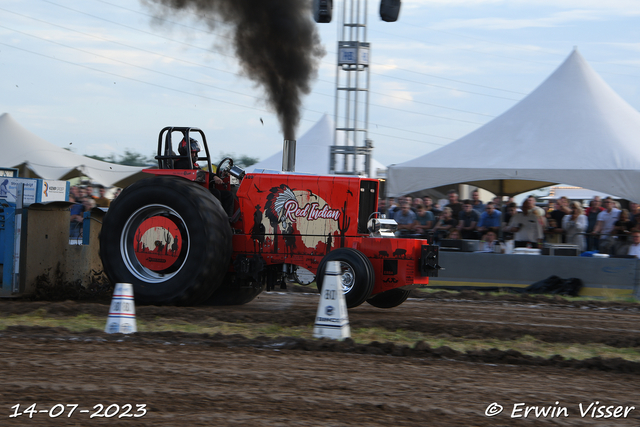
[312,152]
[573,129]
[37,158]
[574,193]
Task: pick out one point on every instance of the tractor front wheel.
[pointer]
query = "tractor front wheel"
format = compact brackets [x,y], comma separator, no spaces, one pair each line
[357,278]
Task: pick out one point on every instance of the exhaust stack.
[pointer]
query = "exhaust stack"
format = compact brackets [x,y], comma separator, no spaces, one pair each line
[289,155]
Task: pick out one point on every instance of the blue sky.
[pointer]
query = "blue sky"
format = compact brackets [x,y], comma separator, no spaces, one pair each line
[102,76]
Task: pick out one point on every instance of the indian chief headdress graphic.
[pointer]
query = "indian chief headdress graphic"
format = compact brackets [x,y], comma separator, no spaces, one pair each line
[289,211]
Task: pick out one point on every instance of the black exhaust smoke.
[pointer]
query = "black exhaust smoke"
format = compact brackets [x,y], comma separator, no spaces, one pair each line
[276,42]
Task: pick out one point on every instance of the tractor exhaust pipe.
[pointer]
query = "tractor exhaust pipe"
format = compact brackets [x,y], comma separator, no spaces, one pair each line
[289,155]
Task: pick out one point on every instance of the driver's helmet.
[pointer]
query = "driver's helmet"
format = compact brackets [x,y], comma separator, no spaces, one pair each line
[195,147]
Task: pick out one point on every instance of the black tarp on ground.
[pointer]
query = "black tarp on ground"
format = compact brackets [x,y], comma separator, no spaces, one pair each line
[551,285]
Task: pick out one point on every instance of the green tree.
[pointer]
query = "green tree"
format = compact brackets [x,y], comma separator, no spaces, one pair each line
[129,158]
[242,161]
[109,159]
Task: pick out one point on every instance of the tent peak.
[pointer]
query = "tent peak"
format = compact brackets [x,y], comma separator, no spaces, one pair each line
[573,128]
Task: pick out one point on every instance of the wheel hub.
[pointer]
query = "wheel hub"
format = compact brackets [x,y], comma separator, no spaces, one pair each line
[157,243]
[154,243]
[348,277]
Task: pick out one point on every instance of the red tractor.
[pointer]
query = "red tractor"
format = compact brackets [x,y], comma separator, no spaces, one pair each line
[175,242]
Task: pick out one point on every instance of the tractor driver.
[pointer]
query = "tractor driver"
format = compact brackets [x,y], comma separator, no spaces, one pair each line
[225,197]
[185,163]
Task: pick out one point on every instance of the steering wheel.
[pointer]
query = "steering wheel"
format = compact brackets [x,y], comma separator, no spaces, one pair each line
[224,167]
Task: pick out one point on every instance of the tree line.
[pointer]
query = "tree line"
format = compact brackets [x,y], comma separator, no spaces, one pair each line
[131,158]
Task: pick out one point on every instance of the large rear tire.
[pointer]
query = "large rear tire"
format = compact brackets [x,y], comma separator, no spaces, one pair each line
[169,238]
[389,299]
[235,291]
[358,277]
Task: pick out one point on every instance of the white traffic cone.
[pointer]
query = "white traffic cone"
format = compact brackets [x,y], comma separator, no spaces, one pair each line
[122,313]
[332,319]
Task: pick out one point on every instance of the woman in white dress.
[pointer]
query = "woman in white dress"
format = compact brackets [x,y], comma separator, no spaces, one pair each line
[574,225]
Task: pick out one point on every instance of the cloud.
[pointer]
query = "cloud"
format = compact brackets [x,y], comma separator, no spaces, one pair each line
[635,47]
[553,20]
[395,93]
[629,6]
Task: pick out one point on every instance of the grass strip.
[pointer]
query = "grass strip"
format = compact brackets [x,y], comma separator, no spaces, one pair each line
[526,345]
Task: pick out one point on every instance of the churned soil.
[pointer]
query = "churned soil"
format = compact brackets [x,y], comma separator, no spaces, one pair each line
[230,380]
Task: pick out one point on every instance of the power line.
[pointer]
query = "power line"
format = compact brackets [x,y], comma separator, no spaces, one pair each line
[398,68]
[134,28]
[126,45]
[133,65]
[201,95]
[204,66]
[499,44]
[176,41]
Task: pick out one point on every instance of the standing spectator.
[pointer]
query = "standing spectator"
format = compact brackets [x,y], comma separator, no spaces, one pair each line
[505,205]
[574,225]
[510,210]
[417,201]
[592,218]
[454,204]
[391,207]
[467,220]
[82,193]
[542,217]
[382,206]
[623,226]
[75,192]
[634,213]
[634,249]
[526,225]
[424,220]
[428,205]
[116,193]
[604,226]
[594,205]
[102,201]
[89,191]
[553,233]
[476,203]
[561,209]
[88,203]
[490,219]
[75,222]
[405,218]
[445,223]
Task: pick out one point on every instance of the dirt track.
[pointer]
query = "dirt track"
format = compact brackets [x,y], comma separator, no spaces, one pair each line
[187,379]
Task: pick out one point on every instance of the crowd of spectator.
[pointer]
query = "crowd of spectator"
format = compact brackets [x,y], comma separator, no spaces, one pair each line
[603,227]
[84,198]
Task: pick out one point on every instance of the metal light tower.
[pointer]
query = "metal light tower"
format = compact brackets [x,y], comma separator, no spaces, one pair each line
[352,147]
